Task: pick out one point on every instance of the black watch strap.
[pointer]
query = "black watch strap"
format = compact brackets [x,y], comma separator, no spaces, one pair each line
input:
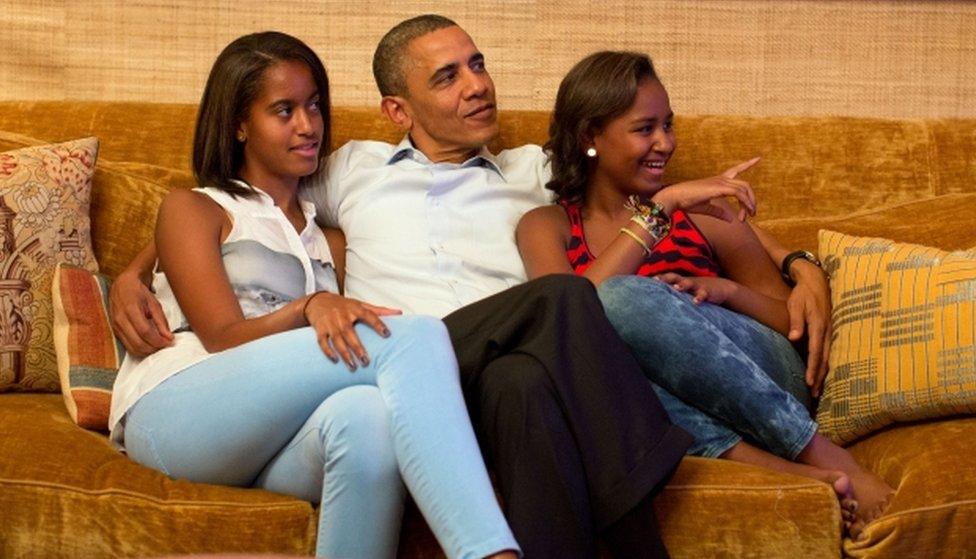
[792,257]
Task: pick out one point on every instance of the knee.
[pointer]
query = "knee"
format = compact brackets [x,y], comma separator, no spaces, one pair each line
[518,387]
[561,286]
[356,435]
[418,329]
[628,298]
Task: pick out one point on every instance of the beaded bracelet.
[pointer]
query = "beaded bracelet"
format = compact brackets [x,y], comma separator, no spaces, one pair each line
[652,219]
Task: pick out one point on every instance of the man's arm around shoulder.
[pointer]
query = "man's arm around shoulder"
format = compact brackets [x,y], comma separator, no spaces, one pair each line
[137,317]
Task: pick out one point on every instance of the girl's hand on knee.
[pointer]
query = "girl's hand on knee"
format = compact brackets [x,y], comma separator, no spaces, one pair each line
[334,317]
[702,289]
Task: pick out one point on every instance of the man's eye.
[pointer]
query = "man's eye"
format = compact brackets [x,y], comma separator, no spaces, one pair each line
[478,66]
[283,111]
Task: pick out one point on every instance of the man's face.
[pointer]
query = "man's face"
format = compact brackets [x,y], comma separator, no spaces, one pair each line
[450,98]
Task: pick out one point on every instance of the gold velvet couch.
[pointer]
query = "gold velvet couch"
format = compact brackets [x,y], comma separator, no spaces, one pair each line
[64,492]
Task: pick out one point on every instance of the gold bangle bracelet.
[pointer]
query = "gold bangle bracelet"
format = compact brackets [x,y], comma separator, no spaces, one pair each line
[640,241]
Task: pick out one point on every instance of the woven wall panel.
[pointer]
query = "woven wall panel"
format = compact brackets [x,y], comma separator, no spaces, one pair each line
[790,57]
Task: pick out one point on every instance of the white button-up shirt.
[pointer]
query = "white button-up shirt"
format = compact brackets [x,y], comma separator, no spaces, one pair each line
[429,237]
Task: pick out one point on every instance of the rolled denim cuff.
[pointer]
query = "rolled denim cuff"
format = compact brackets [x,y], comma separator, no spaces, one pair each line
[715,447]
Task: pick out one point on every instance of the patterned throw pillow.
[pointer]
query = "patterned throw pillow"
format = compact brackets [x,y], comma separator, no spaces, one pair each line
[89,355]
[44,199]
[904,319]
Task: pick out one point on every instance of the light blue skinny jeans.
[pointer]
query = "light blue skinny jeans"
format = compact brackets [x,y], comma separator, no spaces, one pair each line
[276,413]
[721,376]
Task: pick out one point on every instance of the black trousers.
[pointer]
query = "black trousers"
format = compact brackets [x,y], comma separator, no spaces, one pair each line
[567,421]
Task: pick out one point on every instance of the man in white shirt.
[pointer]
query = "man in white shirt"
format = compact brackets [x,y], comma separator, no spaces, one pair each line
[575,434]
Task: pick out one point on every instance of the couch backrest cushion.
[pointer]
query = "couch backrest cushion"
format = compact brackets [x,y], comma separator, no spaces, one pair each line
[813,168]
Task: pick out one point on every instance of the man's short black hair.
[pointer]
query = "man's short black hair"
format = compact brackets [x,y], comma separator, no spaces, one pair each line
[388,60]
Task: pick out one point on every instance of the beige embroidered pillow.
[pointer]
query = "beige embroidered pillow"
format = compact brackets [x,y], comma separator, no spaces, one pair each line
[44,200]
[904,319]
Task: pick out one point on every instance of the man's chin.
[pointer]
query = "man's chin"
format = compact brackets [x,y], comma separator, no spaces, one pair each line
[487,133]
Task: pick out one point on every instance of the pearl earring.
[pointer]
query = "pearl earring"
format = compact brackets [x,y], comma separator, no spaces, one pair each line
[241,138]
[591,152]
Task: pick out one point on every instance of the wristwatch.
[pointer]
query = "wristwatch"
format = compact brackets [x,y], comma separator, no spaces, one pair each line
[792,257]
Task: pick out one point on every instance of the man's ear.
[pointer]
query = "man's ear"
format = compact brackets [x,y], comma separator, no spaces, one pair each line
[396,109]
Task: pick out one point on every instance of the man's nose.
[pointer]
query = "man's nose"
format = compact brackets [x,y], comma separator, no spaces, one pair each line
[475,83]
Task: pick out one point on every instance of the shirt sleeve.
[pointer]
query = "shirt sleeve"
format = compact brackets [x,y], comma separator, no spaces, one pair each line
[544,172]
[326,192]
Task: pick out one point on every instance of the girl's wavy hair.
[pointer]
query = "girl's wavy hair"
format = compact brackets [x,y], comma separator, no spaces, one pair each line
[598,89]
[234,83]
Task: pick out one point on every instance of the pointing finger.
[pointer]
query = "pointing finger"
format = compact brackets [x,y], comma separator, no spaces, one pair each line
[734,170]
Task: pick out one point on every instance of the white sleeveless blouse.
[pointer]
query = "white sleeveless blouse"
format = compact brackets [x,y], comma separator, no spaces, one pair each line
[268,264]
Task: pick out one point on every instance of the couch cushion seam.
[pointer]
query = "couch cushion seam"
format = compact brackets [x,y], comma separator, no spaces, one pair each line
[687,487]
[919,510]
[138,496]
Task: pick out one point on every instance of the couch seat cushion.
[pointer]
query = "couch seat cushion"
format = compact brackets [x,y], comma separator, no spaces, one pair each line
[65,492]
[719,508]
[932,466]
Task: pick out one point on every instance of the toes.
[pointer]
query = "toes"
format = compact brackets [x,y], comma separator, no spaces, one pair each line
[855,530]
[879,509]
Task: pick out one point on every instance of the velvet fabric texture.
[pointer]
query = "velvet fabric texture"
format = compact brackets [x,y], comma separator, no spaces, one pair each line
[64,492]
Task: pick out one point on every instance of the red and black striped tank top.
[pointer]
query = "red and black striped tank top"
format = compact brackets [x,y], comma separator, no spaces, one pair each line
[685,251]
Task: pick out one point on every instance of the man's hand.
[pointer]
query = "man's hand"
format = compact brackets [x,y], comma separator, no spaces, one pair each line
[137,317]
[809,308]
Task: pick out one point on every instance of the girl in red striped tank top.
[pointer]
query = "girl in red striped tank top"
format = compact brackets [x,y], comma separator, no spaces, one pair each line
[683,277]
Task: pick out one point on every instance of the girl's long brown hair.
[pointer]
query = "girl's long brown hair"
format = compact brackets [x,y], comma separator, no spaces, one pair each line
[235,82]
[598,89]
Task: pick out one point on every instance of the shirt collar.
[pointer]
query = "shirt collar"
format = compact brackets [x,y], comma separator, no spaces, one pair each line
[406,150]
[267,204]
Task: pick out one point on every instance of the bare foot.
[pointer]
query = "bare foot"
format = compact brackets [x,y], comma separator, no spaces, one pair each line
[837,479]
[873,496]
[845,494]
[871,492]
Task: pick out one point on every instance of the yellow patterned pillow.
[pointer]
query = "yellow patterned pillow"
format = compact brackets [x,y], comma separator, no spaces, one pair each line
[903,349]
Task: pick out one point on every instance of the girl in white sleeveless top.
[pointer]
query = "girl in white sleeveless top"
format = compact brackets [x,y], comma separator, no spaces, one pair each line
[249,394]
